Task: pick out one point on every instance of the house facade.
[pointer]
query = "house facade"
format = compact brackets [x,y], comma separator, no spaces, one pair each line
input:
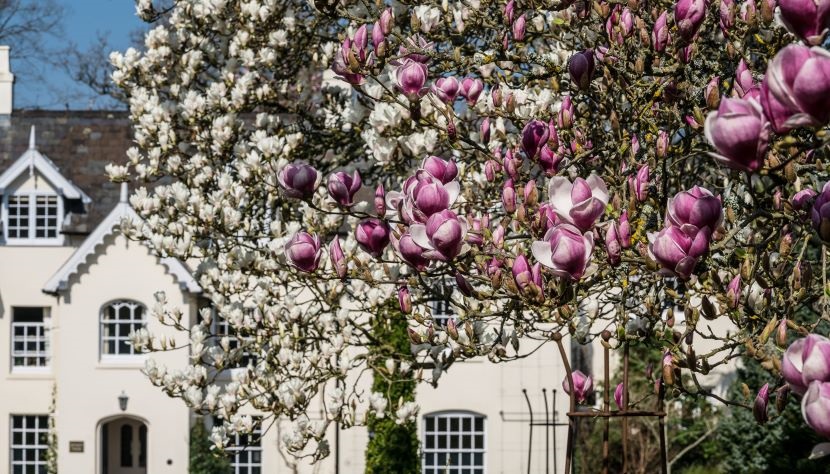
[72,288]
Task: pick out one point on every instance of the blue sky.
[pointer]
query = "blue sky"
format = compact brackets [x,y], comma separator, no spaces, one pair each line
[84,20]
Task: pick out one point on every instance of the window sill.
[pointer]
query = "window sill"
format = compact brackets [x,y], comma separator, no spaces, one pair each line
[127,362]
[44,373]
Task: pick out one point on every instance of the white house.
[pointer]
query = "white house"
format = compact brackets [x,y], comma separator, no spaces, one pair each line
[72,289]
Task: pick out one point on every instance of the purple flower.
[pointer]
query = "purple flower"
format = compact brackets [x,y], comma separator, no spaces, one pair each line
[446,89]
[677,251]
[386,21]
[404,299]
[733,292]
[579,203]
[372,235]
[425,195]
[744,82]
[442,237]
[484,130]
[565,250]
[471,89]
[613,245]
[583,385]
[303,251]
[411,252]
[380,200]
[662,144]
[534,136]
[815,407]
[353,52]
[298,180]
[639,183]
[796,88]
[695,209]
[343,187]
[759,408]
[581,68]
[660,33]
[566,113]
[802,199]
[508,11]
[625,230]
[444,170]
[820,213]
[524,275]
[412,44]
[689,15]
[338,259]
[739,132]
[619,25]
[508,196]
[807,19]
[411,76]
[727,16]
[519,27]
[806,360]
[549,161]
[618,395]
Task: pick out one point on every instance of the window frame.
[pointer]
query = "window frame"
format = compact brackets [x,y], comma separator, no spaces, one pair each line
[435,467]
[235,447]
[46,339]
[133,357]
[37,447]
[221,327]
[31,240]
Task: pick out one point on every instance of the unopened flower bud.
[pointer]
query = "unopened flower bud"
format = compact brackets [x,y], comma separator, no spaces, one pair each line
[404,299]
[759,408]
[380,200]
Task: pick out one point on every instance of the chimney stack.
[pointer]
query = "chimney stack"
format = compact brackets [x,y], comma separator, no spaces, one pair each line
[6,82]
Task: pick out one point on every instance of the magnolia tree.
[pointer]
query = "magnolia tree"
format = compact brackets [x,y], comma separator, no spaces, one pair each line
[546,168]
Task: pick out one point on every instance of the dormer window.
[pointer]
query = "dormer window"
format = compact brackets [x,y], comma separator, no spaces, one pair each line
[32,216]
[35,198]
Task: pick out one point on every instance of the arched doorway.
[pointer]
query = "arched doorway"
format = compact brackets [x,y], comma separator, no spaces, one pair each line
[124,446]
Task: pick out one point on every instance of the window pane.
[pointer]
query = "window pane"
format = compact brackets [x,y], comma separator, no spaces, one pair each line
[118,320]
[29,441]
[459,446]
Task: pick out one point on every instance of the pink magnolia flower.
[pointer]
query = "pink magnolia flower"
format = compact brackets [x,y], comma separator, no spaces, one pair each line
[442,237]
[613,245]
[549,161]
[815,407]
[446,89]
[411,76]
[806,360]
[411,46]
[534,136]
[807,19]
[298,180]
[583,385]
[471,89]
[581,68]
[744,82]
[689,15]
[380,200]
[566,250]
[525,275]
[565,117]
[579,203]
[303,251]
[410,252]
[444,170]
[519,28]
[739,132]
[695,209]
[338,258]
[625,230]
[796,88]
[803,199]
[676,251]
[353,51]
[404,299]
[372,235]
[660,33]
[425,195]
[733,292]
[759,407]
[820,213]
[618,395]
[343,187]
[639,183]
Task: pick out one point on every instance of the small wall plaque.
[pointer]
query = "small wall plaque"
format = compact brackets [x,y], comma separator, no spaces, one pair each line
[76,446]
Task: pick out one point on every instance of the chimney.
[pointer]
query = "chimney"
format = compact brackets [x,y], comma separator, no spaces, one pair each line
[6,82]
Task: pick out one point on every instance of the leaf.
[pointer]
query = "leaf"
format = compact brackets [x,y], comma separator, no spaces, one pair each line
[820,450]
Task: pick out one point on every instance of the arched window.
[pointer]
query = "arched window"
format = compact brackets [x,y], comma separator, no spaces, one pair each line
[454,443]
[119,319]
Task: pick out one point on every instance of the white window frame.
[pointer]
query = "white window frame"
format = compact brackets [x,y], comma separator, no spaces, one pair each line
[442,312]
[43,337]
[38,448]
[221,327]
[132,357]
[31,239]
[433,453]
[236,448]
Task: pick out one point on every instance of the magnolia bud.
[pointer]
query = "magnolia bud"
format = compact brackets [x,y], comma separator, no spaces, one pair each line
[781,334]
[380,200]
[404,299]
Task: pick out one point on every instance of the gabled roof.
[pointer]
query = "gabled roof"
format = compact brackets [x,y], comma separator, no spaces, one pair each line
[32,159]
[110,224]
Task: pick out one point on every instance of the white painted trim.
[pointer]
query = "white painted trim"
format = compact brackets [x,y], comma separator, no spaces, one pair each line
[48,169]
[59,240]
[110,224]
